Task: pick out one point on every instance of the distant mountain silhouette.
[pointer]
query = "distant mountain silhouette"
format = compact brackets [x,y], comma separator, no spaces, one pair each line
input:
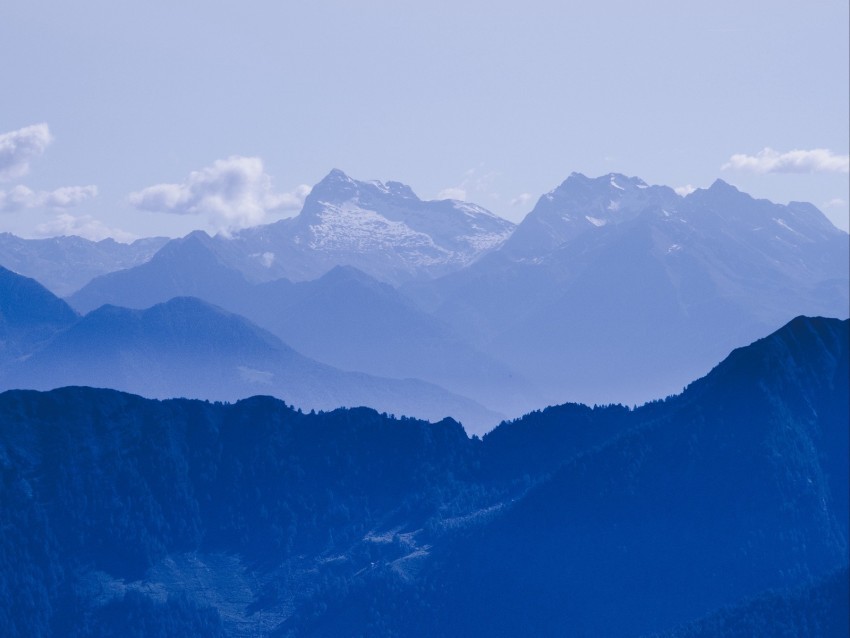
[66,264]
[183,267]
[188,348]
[609,290]
[29,316]
[220,519]
[612,290]
[345,318]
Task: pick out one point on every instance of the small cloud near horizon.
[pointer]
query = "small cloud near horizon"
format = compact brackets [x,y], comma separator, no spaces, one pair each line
[231,193]
[768,160]
[84,226]
[18,148]
[685,190]
[454,192]
[835,202]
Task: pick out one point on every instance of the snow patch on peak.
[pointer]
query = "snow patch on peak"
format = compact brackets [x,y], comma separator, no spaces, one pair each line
[613,206]
[784,225]
[347,227]
[379,185]
[595,221]
[615,184]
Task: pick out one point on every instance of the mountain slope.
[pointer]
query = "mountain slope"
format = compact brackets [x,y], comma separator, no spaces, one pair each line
[736,486]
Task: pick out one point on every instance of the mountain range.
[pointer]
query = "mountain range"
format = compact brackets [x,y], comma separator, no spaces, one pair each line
[614,290]
[724,507]
[65,264]
[186,347]
[609,290]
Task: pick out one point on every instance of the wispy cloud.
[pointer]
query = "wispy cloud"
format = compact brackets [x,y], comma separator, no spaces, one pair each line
[83,226]
[818,160]
[454,192]
[473,182]
[18,148]
[685,190]
[835,202]
[232,193]
[20,197]
[522,199]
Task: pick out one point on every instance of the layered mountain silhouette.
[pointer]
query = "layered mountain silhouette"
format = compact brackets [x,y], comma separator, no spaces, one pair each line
[725,503]
[609,290]
[345,318]
[188,348]
[29,316]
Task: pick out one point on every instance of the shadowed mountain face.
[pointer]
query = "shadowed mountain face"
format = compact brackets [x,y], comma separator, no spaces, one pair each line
[29,316]
[188,348]
[66,264]
[252,519]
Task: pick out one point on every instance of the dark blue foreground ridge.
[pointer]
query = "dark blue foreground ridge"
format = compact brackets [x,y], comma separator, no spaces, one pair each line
[721,508]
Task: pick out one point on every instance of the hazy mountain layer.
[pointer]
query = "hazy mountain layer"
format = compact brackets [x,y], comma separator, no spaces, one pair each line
[188,348]
[66,264]
[345,318]
[29,316]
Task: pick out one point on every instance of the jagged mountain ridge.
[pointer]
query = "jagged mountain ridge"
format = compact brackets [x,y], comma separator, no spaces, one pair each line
[683,280]
[363,524]
[65,264]
[382,229]
[649,294]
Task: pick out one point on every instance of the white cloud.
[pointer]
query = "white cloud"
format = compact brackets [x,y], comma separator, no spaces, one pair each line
[83,226]
[818,160]
[454,192]
[232,193]
[521,200]
[21,197]
[835,202]
[685,190]
[473,182]
[17,148]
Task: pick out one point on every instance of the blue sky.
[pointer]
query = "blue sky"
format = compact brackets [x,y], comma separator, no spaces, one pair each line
[145,118]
